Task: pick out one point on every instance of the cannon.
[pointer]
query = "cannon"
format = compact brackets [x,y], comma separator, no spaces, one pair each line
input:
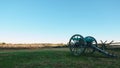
[79,45]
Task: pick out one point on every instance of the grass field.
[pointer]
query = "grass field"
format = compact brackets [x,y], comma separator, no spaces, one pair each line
[54,58]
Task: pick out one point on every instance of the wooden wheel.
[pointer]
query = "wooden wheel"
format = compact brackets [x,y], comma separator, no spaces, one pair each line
[76,44]
[90,41]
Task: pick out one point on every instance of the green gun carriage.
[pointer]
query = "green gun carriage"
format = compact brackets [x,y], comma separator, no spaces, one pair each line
[79,45]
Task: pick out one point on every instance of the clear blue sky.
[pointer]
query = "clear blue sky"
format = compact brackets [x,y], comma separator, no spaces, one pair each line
[55,21]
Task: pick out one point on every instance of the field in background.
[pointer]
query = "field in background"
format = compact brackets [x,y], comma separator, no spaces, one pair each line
[35,45]
[43,45]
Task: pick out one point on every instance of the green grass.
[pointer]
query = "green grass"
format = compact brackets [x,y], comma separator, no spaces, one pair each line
[54,58]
